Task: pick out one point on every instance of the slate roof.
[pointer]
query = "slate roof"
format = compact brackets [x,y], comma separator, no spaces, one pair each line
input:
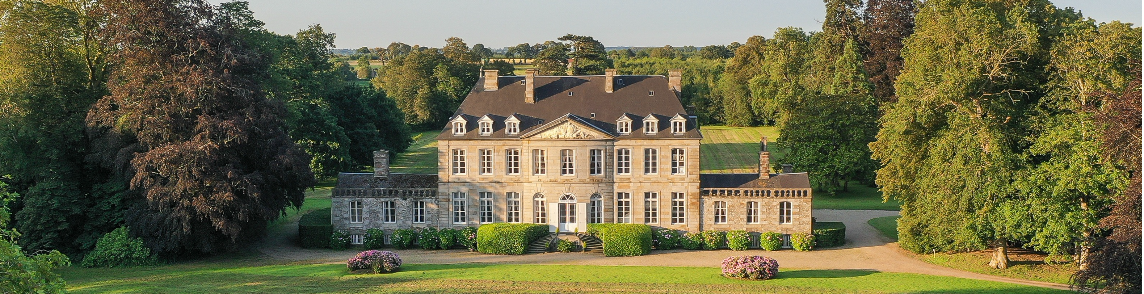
[790,180]
[588,103]
[367,180]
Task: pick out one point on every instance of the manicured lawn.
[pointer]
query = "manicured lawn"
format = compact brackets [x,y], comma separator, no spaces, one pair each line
[888,226]
[253,276]
[858,197]
[735,149]
[421,157]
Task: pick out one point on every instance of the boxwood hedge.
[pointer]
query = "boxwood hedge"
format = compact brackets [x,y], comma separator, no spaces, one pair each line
[829,234]
[623,239]
[504,238]
[314,229]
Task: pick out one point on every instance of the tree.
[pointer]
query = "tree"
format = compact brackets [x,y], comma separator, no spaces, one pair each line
[427,86]
[364,71]
[22,273]
[664,52]
[397,50]
[503,68]
[700,77]
[207,153]
[553,60]
[371,121]
[457,50]
[363,51]
[588,55]
[887,23]
[481,52]
[714,52]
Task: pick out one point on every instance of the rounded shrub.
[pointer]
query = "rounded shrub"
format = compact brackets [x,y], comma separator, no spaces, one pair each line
[339,240]
[802,241]
[564,246]
[623,239]
[505,238]
[314,229]
[376,261]
[403,238]
[829,234]
[448,238]
[750,267]
[468,238]
[691,241]
[771,241]
[374,239]
[428,239]
[666,239]
[738,240]
[118,249]
[713,240]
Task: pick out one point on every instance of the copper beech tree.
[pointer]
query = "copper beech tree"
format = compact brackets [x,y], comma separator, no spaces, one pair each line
[186,121]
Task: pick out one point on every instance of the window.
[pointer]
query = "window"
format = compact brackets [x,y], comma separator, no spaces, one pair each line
[459,213]
[538,214]
[786,241]
[355,212]
[389,211]
[513,207]
[596,161]
[650,161]
[486,128]
[678,161]
[567,206]
[512,161]
[539,166]
[720,212]
[356,239]
[567,162]
[650,125]
[678,208]
[752,212]
[458,128]
[512,128]
[650,93]
[419,212]
[595,209]
[623,208]
[678,126]
[784,212]
[486,203]
[459,161]
[651,207]
[624,127]
[623,161]
[486,161]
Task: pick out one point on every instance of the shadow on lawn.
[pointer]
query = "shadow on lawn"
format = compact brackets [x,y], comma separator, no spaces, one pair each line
[823,274]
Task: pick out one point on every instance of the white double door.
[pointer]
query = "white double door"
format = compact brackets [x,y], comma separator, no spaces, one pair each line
[568,215]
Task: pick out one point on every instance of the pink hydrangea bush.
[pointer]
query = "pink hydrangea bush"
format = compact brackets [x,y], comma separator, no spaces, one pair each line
[750,267]
[377,261]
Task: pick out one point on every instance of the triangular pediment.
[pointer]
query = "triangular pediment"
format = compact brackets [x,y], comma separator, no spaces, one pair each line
[567,129]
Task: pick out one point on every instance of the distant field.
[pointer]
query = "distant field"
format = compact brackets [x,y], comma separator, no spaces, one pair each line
[421,158]
[735,149]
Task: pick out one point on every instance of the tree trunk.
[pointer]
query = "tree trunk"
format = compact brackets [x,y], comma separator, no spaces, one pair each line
[845,186]
[1082,252]
[1000,256]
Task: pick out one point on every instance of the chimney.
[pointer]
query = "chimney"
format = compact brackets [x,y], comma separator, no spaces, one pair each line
[491,80]
[764,160]
[609,80]
[529,86]
[381,164]
[788,168]
[675,80]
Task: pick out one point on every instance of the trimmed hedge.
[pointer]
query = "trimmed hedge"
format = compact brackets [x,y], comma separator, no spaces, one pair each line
[623,239]
[505,238]
[713,240]
[314,229]
[771,241]
[829,234]
[738,240]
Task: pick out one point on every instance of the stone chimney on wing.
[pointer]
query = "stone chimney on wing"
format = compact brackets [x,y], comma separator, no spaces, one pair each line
[764,160]
[381,164]
[491,78]
[675,80]
[530,86]
[609,80]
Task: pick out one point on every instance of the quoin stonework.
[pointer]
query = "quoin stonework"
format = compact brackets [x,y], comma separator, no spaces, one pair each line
[568,151]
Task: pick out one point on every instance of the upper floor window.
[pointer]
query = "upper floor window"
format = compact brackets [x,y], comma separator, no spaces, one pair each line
[486,159]
[651,161]
[459,162]
[596,161]
[624,125]
[650,125]
[567,162]
[486,128]
[539,162]
[512,161]
[678,161]
[623,161]
[458,128]
[512,125]
[678,125]
[784,212]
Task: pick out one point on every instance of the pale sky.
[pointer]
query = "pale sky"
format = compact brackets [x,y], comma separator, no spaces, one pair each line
[502,23]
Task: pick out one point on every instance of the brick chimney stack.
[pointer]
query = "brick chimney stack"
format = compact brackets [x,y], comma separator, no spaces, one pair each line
[381,164]
[529,86]
[491,78]
[675,80]
[609,80]
[764,160]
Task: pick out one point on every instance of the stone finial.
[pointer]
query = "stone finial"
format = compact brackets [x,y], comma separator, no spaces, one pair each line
[609,80]
[491,77]
[381,164]
[675,80]
[530,86]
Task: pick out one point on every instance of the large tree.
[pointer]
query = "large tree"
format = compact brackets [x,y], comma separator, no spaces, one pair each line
[187,120]
[552,60]
[588,55]
[427,86]
[886,24]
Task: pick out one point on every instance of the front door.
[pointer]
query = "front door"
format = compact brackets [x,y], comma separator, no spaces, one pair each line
[567,213]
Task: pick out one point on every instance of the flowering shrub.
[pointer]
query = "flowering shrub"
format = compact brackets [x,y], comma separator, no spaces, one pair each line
[374,239]
[448,238]
[738,240]
[691,241]
[564,246]
[750,267]
[802,241]
[378,261]
[712,240]
[771,241]
[403,239]
[468,238]
[339,240]
[666,239]
[428,238]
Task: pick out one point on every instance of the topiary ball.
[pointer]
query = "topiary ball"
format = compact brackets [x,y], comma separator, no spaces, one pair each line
[750,267]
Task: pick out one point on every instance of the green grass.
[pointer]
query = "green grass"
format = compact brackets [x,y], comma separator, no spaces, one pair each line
[252,276]
[735,149]
[421,157]
[887,225]
[858,197]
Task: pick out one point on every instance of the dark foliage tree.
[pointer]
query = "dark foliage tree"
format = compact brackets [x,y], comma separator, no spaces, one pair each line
[25,271]
[503,68]
[714,52]
[553,60]
[371,122]
[588,55]
[188,122]
[362,69]
[886,24]
[481,52]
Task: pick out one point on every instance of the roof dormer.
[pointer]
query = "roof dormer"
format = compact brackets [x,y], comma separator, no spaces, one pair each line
[678,124]
[459,125]
[624,125]
[512,125]
[485,125]
[651,124]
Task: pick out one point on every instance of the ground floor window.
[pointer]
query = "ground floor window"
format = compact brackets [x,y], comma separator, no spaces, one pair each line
[355,212]
[720,212]
[678,208]
[459,213]
[786,241]
[651,208]
[539,216]
[784,212]
[356,239]
[752,212]
[513,207]
[389,211]
[419,211]
[595,209]
[486,201]
[623,208]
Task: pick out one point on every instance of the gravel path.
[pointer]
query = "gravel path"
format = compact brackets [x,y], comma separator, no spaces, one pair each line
[865,249]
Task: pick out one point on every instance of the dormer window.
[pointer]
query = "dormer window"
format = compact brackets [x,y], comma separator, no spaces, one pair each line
[650,93]
[678,125]
[624,125]
[459,126]
[512,125]
[485,126]
[650,125]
